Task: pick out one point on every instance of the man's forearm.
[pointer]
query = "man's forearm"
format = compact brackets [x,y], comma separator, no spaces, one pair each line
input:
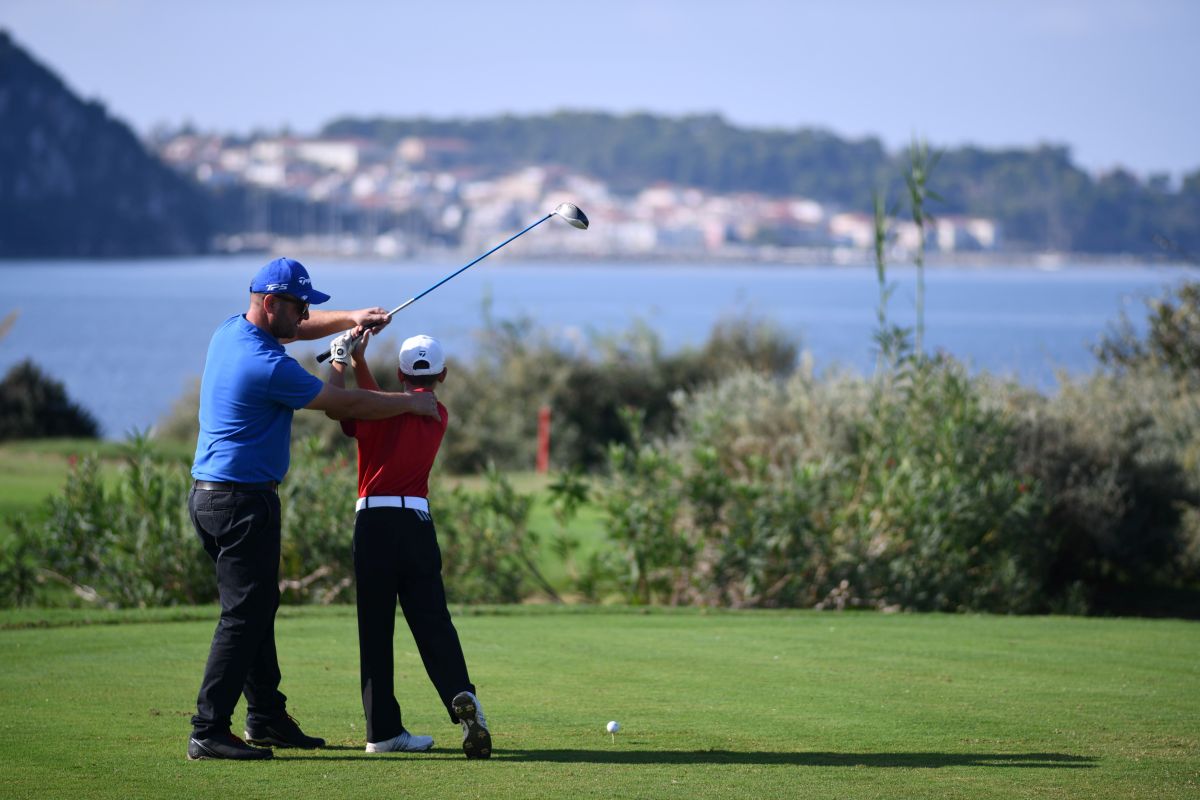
[324,323]
[365,404]
[340,403]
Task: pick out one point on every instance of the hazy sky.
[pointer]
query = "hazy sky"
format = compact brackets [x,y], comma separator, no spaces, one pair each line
[1114,80]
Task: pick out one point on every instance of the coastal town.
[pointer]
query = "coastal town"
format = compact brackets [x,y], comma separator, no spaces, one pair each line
[424,194]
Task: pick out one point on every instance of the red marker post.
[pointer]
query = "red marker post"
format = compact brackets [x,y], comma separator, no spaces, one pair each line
[543,450]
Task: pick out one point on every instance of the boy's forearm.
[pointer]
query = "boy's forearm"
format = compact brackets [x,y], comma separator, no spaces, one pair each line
[337,375]
[363,374]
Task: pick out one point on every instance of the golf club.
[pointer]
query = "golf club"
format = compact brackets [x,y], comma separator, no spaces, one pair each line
[568,211]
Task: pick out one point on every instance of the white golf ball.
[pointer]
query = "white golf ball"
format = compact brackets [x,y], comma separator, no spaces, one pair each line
[613,726]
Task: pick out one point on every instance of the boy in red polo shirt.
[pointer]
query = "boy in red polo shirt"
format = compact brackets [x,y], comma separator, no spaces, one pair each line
[396,555]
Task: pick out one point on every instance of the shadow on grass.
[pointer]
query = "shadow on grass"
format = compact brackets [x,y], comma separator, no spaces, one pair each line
[804,759]
[797,759]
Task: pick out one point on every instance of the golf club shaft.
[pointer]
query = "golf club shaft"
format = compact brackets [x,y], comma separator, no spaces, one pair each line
[354,340]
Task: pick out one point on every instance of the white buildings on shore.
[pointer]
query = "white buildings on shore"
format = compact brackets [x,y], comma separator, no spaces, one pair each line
[431,178]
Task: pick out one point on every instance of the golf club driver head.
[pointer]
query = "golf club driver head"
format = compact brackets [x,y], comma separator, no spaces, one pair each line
[573,215]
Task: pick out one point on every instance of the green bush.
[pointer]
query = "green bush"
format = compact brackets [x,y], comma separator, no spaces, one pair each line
[1117,457]
[643,520]
[735,477]
[317,500]
[488,550]
[923,488]
[130,542]
[35,406]
[118,546]
[750,461]
[938,515]
[1171,342]
[21,579]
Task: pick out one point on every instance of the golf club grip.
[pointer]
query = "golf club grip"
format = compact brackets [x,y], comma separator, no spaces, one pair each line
[323,357]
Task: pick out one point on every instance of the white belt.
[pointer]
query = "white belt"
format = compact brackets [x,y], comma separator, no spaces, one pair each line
[418,504]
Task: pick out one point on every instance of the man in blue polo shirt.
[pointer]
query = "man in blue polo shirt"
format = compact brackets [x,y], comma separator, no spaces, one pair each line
[249,391]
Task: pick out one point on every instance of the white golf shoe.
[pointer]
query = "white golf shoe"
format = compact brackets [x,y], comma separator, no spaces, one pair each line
[477,740]
[404,743]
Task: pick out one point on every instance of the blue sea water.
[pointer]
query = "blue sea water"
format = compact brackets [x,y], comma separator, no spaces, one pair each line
[127,338]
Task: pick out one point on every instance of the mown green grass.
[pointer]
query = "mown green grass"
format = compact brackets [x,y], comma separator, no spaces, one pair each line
[721,704]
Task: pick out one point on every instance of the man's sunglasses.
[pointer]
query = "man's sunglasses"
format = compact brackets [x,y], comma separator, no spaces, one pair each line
[296,301]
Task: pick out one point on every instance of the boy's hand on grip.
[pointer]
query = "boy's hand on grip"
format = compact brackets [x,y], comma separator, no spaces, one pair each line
[339,349]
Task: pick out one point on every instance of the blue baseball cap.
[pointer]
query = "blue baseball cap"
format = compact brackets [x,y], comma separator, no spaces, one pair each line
[287,276]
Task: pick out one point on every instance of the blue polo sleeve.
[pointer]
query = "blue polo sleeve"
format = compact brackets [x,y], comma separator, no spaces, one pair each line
[291,385]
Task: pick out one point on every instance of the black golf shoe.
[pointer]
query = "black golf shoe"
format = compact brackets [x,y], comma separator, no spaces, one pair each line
[477,740]
[281,732]
[225,745]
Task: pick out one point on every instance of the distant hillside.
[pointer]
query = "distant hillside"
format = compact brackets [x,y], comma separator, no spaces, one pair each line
[633,151]
[76,182]
[1040,197]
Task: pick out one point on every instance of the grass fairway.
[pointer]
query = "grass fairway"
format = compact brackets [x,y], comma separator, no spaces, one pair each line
[729,704]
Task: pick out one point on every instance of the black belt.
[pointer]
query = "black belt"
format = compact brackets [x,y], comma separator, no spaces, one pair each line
[230,486]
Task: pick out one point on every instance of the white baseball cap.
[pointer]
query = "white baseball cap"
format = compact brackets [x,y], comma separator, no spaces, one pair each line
[421,355]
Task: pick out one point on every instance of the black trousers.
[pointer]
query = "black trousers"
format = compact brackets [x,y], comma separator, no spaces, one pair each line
[396,557]
[240,532]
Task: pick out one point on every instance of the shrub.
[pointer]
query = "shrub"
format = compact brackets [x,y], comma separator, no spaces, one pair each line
[488,550]
[1117,457]
[130,542]
[125,545]
[939,514]
[642,510]
[20,569]
[35,406]
[317,500]
[924,488]
[1171,342]
[921,488]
